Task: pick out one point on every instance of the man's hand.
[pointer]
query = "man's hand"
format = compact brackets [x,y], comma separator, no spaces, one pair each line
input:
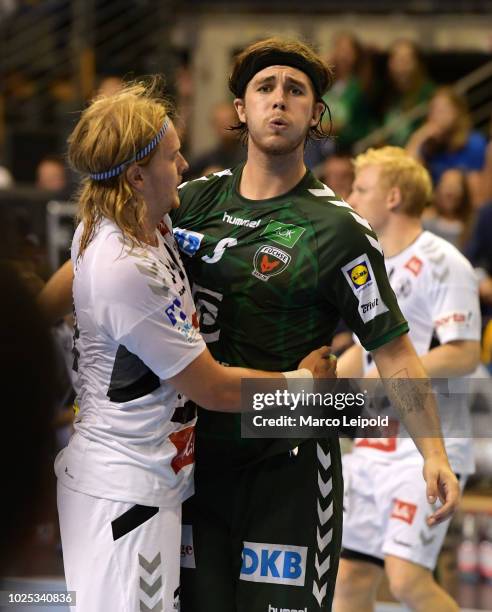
[321,363]
[442,484]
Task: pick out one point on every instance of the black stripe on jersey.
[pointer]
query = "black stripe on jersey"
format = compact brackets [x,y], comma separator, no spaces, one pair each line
[177,263]
[184,414]
[130,378]
[131,519]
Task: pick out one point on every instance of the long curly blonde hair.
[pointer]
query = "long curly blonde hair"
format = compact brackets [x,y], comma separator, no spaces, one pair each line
[111,131]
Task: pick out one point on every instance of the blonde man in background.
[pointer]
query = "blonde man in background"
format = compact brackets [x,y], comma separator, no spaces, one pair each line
[386,510]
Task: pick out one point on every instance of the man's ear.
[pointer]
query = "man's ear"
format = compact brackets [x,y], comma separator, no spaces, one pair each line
[135,177]
[240,109]
[317,110]
[393,198]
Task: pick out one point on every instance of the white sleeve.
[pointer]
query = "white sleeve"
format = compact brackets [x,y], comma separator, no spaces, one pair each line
[142,308]
[454,301]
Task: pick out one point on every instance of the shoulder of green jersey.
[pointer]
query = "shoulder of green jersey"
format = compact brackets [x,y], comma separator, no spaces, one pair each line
[361,221]
[227,172]
[323,192]
[375,244]
[326,192]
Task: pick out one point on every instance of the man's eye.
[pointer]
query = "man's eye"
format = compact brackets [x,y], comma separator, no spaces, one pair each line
[296,91]
[264,88]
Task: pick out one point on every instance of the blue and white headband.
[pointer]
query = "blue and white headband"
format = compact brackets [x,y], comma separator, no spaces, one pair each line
[117,170]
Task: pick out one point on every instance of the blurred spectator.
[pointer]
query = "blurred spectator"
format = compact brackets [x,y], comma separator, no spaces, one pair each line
[479,252]
[229,151]
[485,192]
[337,172]
[109,85]
[184,104]
[6,178]
[22,104]
[346,99]
[51,174]
[408,86]
[452,212]
[446,140]
[28,387]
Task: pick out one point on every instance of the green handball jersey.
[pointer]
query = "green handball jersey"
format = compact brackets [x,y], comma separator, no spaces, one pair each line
[271,280]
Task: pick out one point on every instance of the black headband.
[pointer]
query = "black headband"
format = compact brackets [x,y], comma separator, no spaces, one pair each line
[255,63]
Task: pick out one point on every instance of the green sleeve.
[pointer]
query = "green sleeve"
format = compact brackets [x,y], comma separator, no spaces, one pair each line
[358,284]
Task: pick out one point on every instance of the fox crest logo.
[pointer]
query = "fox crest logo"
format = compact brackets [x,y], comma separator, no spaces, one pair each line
[269,261]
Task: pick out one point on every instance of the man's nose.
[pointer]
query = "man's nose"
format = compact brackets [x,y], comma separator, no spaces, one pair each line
[279,98]
[352,199]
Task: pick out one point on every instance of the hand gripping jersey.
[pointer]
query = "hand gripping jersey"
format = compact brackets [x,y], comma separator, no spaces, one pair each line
[271,278]
[437,291]
[135,327]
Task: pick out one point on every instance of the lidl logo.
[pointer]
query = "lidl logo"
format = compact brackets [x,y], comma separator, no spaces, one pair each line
[360,275]
[274,563]
[283,233]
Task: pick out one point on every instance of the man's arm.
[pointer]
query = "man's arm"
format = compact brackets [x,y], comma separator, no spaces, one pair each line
[455,358]
[55,300]
[410,391]
[217,387]
[350,364]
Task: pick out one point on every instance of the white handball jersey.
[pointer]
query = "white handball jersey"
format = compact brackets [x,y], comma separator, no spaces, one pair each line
[136,327]
[437,292]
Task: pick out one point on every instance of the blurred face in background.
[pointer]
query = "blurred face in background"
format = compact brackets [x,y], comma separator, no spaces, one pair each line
[344,55]
[450,193]
[51,175]
[403,64]
[223,117]
[338,174]
[369,196]
[110,85]
[443,113]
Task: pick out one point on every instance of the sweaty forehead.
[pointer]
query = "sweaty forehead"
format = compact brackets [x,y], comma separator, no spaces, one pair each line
[282,72]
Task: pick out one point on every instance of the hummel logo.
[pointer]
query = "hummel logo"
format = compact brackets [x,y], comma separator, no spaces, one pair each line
[400,543]
[426,540]
[238,221]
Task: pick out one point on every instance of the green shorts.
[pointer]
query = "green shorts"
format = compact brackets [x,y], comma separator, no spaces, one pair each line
[264,537]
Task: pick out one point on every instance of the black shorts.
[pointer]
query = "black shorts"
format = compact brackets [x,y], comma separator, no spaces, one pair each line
[265,537]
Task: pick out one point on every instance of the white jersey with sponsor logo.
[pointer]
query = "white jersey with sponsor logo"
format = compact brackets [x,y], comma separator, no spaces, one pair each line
[437,292]
[136,327]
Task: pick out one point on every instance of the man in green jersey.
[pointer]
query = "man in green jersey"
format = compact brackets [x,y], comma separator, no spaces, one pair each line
[276,259]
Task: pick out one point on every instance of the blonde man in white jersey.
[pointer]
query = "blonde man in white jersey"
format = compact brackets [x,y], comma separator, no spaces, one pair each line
[138,355]
[385,507]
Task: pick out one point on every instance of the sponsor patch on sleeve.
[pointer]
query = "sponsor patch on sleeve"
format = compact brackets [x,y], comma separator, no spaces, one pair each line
[457,320]
[360,277]
[188,241]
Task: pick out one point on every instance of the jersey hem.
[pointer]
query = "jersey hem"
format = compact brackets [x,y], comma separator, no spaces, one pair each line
[162,500]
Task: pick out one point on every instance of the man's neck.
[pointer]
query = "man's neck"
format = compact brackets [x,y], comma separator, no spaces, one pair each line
[399,234]
[267,176]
